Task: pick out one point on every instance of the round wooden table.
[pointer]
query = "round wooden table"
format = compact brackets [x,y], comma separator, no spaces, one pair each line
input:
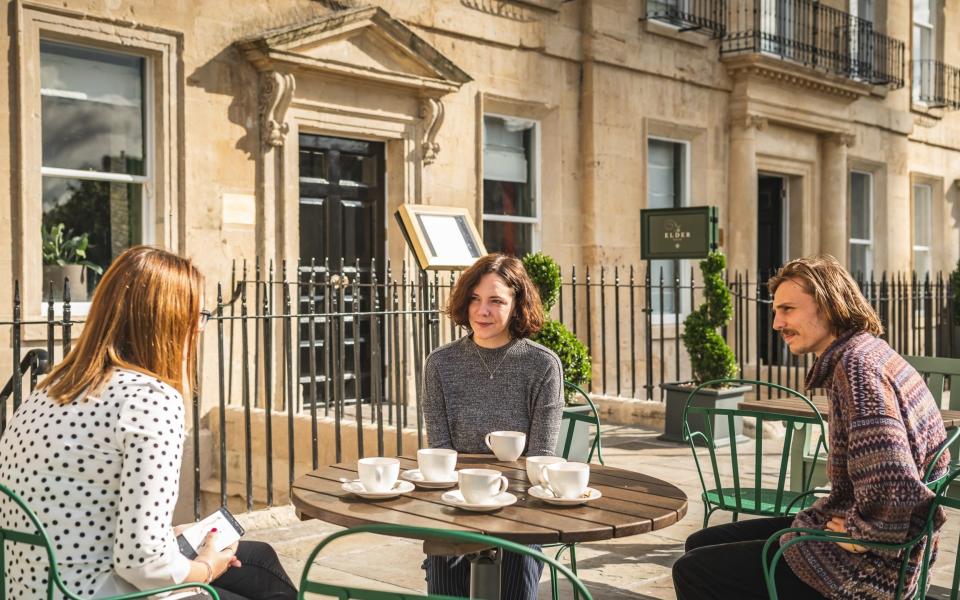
[632,503]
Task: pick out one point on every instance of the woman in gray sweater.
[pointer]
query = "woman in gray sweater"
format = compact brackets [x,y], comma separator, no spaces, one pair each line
[494,379]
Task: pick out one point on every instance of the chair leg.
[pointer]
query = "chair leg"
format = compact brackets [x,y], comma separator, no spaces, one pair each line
[554,592]
[736,515]
[573,567]
[706,515]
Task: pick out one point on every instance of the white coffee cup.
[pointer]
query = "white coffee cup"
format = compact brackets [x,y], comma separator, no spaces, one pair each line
[566,480]
[481,486]
[378,474]
[535,464]
[437,464]
[507,445]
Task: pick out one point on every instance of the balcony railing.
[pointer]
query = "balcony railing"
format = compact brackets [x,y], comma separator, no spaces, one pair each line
[689,15]
[816,36]
[935,84]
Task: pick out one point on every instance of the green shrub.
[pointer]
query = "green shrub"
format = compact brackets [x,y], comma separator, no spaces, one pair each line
[574,355]
[955,292]
[710,356]
[545,274]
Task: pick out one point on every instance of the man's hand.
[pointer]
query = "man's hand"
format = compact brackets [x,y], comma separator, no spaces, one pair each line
[837,525]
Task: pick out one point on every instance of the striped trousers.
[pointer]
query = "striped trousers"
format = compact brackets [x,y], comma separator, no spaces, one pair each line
[450,576]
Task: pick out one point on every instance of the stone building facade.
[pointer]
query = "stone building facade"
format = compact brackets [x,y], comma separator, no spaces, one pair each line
[293,129]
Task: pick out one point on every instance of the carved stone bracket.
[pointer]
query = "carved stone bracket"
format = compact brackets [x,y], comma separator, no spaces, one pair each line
[755,122]
[276,90]
[844,139]
[431,111]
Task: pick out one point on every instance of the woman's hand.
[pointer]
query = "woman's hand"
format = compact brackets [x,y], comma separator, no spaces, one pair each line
[837,525]
[219,561]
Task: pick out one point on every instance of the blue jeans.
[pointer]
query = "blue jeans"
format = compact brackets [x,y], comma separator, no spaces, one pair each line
[450,576]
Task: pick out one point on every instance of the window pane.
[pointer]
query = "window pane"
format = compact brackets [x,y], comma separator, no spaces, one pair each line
[921,262]
[921,214]
[860,209]
[861,259]
[509,238]
[662,296]
[110,214]
[664,171]
[91,109]
[507,167]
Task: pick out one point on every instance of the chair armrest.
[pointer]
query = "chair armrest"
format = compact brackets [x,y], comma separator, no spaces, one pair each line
[805,494]
[170,588]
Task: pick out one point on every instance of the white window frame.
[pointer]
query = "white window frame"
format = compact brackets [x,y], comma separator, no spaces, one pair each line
[683,264]
[867,242]
[162,193]
[148,214]
[929,226]
[535,234]
[931,27]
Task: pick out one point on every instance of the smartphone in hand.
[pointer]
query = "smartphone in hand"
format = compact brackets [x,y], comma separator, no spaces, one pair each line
[228,532]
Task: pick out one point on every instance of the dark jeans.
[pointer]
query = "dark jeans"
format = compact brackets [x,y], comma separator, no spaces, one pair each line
[723,562]
[260,576]
[450,576]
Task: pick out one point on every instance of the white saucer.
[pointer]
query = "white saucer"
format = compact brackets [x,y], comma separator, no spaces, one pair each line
[415,476]
[355,487]
[455,498]
[547,496]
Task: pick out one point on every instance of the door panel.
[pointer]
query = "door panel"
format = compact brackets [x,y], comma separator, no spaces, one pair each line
[342,231]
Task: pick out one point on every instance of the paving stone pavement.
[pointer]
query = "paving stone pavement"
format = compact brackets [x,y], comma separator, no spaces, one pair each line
[636,567]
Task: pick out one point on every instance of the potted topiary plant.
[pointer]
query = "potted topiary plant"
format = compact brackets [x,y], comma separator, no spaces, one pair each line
[65,257]
[574,355]
[710,356]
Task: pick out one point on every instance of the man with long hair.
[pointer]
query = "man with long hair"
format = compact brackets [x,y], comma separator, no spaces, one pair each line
[885,427]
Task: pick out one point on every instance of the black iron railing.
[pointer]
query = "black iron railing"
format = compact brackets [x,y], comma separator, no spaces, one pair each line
[816,36]
[689,15]
[291,364]
[936,84]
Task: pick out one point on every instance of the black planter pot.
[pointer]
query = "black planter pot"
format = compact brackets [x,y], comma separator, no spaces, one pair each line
[676,399]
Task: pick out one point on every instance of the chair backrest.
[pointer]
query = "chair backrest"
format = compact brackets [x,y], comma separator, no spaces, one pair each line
[699,425]
[35,535]
[591,418]
[942,500]
[348,592]
[936,371]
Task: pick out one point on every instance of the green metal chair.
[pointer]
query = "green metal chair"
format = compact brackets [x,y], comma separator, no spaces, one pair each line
[593,418]
[936,371]
[346,592]
[940,486]
[35,535]
[745,496]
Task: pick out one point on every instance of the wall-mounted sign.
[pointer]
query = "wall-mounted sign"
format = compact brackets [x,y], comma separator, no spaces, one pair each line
[441,237]
[671,233]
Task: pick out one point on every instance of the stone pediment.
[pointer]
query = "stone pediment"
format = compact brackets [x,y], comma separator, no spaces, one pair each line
[363,43]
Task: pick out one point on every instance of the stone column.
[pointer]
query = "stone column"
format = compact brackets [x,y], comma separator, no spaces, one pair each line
[741,222]
[834,231]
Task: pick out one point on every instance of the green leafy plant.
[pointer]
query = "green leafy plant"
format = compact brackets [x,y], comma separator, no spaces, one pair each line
[955,292]
[60,248]
[545,274]
[710,356]
[574,355]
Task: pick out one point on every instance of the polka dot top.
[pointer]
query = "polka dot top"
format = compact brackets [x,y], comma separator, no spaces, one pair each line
[102,474]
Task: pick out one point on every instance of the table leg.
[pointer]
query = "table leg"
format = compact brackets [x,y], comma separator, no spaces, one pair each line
[485,574]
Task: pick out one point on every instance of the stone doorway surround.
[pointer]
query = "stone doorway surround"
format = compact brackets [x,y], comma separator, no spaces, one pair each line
[357,73]
[771,96]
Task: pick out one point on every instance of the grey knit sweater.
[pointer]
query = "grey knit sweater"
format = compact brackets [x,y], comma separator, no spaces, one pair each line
[462,404]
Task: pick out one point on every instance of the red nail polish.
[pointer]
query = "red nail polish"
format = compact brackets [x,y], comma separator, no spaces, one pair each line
[214,530]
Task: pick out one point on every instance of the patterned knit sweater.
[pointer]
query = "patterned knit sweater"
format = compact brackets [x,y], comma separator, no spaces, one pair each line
[884,429]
